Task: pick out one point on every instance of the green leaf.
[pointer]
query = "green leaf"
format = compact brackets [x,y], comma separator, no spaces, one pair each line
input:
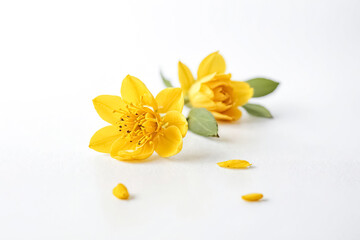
[165,80]
[202,122]
[257,110]
[262,86]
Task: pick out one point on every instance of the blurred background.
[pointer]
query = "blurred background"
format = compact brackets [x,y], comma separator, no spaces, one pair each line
[56,56]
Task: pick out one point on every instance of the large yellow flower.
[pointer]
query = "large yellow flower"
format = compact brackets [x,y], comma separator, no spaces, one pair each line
[140,123]
[214,90]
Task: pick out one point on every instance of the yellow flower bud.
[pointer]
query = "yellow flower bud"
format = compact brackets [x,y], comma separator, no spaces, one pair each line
[214,90]
[220,95]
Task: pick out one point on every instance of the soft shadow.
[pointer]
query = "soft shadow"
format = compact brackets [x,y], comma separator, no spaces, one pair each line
[221,138]
[152,158]
[189,156]
[252,120]
[239,169]
[107,157]
[132,197]
[257,202]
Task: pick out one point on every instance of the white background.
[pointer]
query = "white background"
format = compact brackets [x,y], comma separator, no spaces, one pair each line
[55,56]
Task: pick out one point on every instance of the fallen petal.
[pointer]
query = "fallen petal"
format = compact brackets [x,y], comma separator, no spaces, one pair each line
[252,197]
[121,192]
[234,164]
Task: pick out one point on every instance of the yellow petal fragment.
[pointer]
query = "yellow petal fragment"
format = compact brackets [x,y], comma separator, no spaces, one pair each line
[121,192]
[175,118]
[211,64]
[170,99]
[186,78]
[134,91]
[102,140]
[234,164]
[169,142]
[105,106]
[242,92]
[252,197]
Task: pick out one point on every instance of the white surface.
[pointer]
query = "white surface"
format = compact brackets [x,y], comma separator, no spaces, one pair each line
[56,56]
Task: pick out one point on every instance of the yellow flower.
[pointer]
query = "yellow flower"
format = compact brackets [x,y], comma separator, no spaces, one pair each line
[214,90]
[140,123]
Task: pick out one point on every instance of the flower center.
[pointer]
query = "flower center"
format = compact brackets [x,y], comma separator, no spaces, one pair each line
[138,123]
[223,94]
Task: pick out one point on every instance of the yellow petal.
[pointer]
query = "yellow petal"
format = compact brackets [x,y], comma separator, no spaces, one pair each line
[105,106]
[232,114]
[211,64]
[175,118]
[134,91]
[200,95]
[185,77]
[217,80]
[234,164]
[252,197]
[242,92]
[170,99]
[198,84]
[201,100]
[121,192]
[123,149]
[222,117]
[220,107]
[102,140]
[168,142]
